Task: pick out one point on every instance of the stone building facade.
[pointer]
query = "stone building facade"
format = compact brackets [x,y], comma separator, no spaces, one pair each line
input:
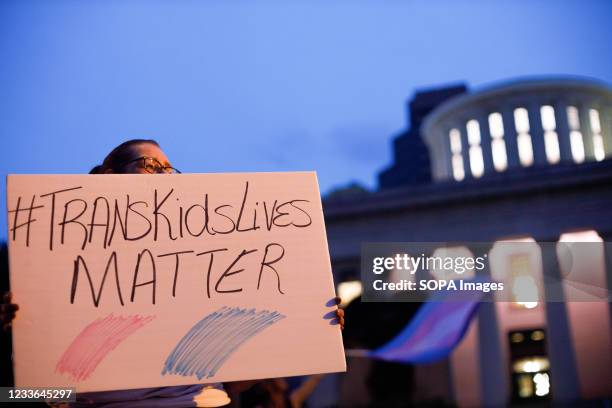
[525,160]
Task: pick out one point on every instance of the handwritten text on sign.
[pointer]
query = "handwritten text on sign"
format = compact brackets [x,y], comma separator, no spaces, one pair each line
[128,281]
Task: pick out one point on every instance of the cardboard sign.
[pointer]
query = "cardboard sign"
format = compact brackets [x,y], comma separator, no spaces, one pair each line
[131,281]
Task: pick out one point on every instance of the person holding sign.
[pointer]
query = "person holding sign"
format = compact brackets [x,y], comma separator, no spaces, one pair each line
[146,157]
[7,311]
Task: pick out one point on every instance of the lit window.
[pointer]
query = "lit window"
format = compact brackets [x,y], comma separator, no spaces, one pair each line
[458,171]
[532,376]
[475,151]
[523,138]
[542,383]
[498,146]
[349,290]
[551,140]
[531,365]
[576,141]
[524,287]
[456,158]
[525,386]
[598,146]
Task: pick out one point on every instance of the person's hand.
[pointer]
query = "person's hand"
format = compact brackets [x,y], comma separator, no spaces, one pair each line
[340,313]
[7,311]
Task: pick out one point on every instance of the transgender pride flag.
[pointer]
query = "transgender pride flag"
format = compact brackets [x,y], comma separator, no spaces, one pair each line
[436,329]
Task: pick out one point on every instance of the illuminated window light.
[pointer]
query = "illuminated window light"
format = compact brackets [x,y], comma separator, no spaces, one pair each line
[551,140]
[577,146]
[598,146]
[500,158]
[348,291]
[455,141]
[498,145]
[547,113]
[496,125]
[523,138]
[576,140]
[523,288]
[525,383]
[458,171]
[525,292]
[595,124]
[528,305]
[551,144]
[542,383]
[521,120]
[517,337]
[475,151]
[537,335]
[531,365]
[572,118]
[473,132]
[456,158]
[476,162]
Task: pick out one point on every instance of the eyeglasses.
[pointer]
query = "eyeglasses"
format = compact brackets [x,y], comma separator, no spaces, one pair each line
[152,165]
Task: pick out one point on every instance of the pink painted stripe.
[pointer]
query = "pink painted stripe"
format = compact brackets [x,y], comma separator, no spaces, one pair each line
[95,341]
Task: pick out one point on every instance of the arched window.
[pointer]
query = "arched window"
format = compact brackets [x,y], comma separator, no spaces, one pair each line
[475,151]
[498,145]
[523,138]
[519,265]
[576,141]
[598,146]
[456,157]
[551,140]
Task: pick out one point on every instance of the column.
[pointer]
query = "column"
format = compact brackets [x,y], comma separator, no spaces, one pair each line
[607,238]
[536,132]
[560,348]
[448,153]
[422,273]
[485,142]
[585,129]
[562,127]
[441,155]
[510,137]
[494,377]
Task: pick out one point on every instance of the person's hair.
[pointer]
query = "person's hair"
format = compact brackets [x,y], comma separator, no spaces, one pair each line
[119,156]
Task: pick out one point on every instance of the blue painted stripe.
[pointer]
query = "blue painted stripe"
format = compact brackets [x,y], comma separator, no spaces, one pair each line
[211,341]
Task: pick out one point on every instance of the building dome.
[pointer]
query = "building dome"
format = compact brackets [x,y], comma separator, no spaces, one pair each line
[522,124]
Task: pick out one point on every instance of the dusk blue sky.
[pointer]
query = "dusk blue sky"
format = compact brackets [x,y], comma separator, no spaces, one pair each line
[228,86]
